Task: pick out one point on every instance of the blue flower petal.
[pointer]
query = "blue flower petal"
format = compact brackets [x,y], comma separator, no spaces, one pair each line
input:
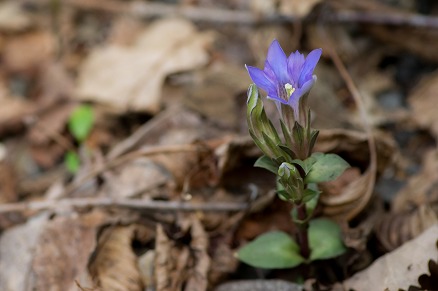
[299,92]
[276,99]
[295,63]
[309,65]
[278,62]
[270,73]
[260,79]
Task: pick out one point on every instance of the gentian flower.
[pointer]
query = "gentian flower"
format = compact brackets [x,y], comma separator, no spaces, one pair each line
[286,79]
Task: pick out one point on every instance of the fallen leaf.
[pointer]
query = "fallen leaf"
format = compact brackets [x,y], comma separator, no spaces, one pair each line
[421,99]
[19,58]
[17,251]
[182,267]
[13,18]
[61,257]
[114,266]
[400,268]
[297,8]
[130,78]
[421,188]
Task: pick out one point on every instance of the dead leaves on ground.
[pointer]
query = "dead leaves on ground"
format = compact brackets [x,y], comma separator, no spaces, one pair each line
[165,84]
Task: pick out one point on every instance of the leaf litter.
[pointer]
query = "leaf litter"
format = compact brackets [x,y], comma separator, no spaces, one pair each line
[165,192]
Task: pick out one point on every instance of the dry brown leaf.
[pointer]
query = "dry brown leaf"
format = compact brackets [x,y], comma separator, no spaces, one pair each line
[422,103]
[421,189]
[297,8]
[394,229]
[179,265]
[13,17]
[114,266]
[400,268]
[355,196]
[197,280]
[130,78]
[170,263]
[134,179]
[19,58]
[13,110]
[17,250]
[62,255]
[215,95]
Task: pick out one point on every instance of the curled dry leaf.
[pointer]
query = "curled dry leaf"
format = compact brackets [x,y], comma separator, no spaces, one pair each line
[356,194]
[400,268]
[130,78]
[182,265]
[421,189]
[414,208]
[114,266]
[397,228]
[421,99]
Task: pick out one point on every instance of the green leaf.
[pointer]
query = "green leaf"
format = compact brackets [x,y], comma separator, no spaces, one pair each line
[72,162]
[325,239]
[272,250]
[81,122]
[267,163]
[327,167]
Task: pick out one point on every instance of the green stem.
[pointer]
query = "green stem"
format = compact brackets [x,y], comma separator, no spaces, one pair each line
[303,236]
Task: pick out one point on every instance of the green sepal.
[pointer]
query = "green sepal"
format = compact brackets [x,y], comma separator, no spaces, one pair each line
[272,250]
[286,134]
[327,167]
[313,138]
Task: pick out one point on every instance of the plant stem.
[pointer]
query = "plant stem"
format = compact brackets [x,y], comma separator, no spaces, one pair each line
[303,236]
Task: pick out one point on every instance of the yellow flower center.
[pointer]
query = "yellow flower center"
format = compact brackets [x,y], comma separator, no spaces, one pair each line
[289,89]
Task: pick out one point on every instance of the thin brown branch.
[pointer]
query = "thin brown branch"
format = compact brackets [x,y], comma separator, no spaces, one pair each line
[149,151]
[146,10]
[138,204]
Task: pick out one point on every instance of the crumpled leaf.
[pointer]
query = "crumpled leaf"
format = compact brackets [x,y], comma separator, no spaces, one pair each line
[421,99]
[130,78]
[115,264]
[179,265]
[297,8]
[61,257]
[19,242]
[400,268]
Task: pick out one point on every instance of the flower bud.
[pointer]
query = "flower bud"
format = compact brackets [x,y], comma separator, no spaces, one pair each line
[260,127]
[290,179]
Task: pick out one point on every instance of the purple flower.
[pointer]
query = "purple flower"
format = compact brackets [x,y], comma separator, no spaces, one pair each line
[286,79]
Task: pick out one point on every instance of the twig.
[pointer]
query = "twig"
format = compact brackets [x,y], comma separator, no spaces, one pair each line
[149,10]
[149,151]
[139,204]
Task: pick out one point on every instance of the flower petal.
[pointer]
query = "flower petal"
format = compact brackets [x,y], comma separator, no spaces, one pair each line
[309,65]
[295,63]
[270,73]
[278,62]
[260,79]
[299,92]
